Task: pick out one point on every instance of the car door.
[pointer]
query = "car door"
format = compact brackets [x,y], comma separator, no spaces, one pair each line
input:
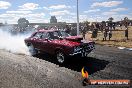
[36,40]
[47,45]
[44,45]
[42,42]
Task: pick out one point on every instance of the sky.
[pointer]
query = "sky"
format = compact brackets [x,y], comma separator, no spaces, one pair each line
[40,11]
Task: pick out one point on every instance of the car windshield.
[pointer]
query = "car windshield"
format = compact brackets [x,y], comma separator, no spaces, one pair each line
[58,34]
[53,35]
[64,34]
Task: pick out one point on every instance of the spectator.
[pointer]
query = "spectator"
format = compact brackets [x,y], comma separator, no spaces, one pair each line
[73,31]
[68,29]
[110,24]
[106,33]
[126,24]
[94,33]
[126,33]
[101,27]
[84,30]
[110,35]
[121,25]
[114,24]
[92,27]
[97,26]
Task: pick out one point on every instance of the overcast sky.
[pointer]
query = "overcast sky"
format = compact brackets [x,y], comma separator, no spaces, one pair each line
[40,11]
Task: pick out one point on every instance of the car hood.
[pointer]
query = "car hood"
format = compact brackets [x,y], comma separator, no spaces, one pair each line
[66,42]
[74,38]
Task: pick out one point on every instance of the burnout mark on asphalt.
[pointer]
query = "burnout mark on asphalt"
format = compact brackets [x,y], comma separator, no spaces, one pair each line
[76,63]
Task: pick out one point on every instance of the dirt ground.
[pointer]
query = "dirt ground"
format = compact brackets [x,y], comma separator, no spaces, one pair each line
[21,71]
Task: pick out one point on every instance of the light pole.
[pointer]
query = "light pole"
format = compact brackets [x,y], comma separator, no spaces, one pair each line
[77,19]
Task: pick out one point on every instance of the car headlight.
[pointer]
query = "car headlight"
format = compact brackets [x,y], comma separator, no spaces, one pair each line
[77,48]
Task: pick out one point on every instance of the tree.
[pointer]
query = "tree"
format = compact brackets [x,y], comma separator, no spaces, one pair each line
[125,18]
[103,24]
[22,23]
[110,23]
[111,19]
[126,21]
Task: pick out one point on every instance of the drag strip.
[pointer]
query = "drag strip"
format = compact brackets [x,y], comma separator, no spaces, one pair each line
[103,63]
[42,71]
[76,63]
[120,62]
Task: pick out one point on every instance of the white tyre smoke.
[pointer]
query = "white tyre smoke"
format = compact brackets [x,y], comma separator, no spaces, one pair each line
[13,43]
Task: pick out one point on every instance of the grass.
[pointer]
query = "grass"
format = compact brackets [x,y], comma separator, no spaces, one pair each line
[118,38]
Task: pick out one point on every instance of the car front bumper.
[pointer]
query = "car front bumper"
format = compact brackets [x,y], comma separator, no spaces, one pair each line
[83,51]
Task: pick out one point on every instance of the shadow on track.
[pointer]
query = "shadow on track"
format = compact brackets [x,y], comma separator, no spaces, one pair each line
[76,63]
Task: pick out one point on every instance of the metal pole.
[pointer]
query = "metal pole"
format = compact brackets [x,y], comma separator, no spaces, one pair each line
[77,19]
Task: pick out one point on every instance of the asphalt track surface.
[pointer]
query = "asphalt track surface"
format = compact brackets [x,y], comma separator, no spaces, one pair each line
[112,60]
[42,71]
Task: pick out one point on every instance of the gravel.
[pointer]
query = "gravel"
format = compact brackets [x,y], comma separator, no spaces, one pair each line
[21,71]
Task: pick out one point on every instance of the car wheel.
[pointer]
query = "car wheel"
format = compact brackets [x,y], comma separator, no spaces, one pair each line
[60,57]
[32,50]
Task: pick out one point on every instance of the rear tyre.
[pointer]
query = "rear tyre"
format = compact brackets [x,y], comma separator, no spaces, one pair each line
[32,50]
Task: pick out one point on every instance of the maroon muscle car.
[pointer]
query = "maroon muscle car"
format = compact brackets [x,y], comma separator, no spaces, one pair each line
[58,43]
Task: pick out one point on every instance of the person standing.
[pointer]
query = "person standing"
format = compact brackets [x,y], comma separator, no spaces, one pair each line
[126,33]
[84,30]
[114,25]
[126,26]
[106,33]
[97,26]
[68,29]
[110,34]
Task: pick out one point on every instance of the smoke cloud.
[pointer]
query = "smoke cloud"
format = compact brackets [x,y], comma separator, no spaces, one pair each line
[13,43]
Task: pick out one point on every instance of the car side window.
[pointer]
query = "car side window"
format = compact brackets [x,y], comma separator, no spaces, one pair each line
[38,35]
[55,34]
[44,35]
[49,36]
[64,34]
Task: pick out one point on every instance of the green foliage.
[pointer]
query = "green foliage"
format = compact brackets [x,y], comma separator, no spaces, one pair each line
[22,23]
[111,19]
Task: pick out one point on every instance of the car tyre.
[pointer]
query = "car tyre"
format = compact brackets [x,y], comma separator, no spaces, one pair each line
[32,50]
[60,57]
